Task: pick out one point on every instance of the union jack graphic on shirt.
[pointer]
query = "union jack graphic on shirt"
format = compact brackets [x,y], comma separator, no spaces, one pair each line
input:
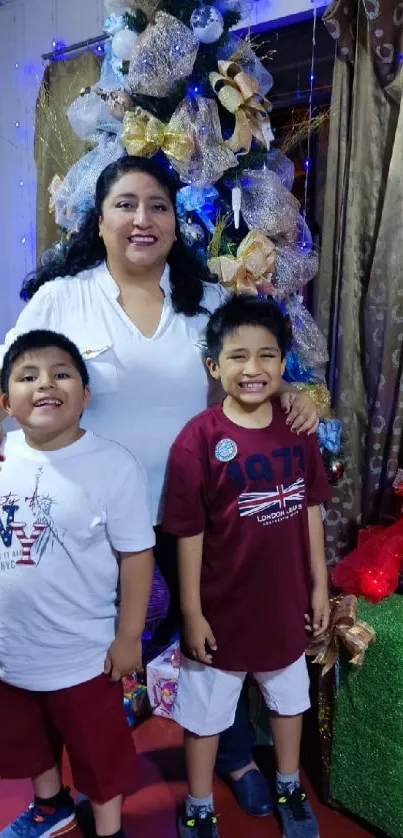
[283,498]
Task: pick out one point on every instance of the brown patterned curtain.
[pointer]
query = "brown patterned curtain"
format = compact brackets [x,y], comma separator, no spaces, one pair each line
[360,290]
[56,145]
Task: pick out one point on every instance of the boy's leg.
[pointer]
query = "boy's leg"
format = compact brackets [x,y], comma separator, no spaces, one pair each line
[286,693]
[236,764]
[205,705]
[30,747]
[108,816]
[200,754]
[92,722]
[287,733]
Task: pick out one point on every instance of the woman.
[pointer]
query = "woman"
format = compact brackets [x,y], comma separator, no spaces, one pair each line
[136,302]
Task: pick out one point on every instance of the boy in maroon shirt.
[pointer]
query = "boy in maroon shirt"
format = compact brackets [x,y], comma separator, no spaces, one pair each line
[243,497]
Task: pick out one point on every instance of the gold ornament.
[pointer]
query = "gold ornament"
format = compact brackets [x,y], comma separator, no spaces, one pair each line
[144,135]
[238,92]
[250,271]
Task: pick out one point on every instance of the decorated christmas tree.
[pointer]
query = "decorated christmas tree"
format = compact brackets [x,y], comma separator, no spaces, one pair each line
[178,83]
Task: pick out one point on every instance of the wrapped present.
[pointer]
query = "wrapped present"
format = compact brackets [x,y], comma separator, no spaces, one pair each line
[135,699]
[345,632]
[162,681]
[398,483]
[367,753]
[372,569]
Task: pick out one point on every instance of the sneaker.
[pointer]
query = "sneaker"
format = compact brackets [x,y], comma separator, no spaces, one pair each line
[197,826]
[41,822]
[296,815]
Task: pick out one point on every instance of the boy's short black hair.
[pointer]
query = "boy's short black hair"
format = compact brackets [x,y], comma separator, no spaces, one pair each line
[41,339]
[241,310]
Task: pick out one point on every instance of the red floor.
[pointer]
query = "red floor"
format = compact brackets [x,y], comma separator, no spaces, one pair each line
[150,812]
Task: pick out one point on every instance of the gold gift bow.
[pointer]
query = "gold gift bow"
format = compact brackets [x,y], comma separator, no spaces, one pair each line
[253,264]
[143,135]
[356,635]
[238,92]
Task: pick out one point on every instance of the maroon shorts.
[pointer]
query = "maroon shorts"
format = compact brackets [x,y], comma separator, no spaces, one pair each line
[89,720]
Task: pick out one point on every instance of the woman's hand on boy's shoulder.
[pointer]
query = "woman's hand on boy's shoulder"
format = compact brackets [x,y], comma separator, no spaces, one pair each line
[302,415]
[124,657]
[199,638]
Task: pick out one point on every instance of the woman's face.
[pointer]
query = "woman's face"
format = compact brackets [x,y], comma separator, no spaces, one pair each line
[138,221]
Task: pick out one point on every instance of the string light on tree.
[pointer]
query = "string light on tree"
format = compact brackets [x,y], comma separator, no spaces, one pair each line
[310,116]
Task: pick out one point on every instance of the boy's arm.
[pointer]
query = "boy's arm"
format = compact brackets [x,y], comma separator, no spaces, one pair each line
[196,630]
[320,597]
[136,573]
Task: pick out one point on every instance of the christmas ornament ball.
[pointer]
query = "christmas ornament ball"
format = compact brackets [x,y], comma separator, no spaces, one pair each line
[207,24]
[123,43]
[335,470]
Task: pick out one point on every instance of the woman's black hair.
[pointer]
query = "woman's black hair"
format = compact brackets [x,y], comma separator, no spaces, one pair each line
[85,249]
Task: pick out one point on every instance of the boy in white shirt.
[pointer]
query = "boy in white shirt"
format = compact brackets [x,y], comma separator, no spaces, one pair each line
[69,501]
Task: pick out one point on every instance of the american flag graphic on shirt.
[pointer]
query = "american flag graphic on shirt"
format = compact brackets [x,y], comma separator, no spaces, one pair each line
[281,499]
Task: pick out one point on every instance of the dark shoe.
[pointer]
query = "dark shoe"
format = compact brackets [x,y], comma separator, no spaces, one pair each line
[42,822]
[296,815]
[252,793]
[200,826]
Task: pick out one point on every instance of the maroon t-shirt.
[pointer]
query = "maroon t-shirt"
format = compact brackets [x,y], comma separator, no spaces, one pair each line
[249,491]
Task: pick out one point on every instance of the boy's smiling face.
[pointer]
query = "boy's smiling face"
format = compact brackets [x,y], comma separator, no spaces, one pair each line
[249,365]
[46,393]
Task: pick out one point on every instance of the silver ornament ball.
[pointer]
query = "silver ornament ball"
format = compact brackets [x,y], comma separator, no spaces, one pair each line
[207,24]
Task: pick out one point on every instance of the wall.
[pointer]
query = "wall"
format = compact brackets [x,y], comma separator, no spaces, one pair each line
[27,29]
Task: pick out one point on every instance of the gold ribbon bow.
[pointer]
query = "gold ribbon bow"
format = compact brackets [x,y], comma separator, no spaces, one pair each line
[356,635]
[144,135]
[238,92]
[252,267]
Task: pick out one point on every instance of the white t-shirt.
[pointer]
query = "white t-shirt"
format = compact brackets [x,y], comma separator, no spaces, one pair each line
[144,389]
[61,513]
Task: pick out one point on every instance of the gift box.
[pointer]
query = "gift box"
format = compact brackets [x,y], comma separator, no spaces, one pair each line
[367,753]
[346,631]
[162,681]
[135,699]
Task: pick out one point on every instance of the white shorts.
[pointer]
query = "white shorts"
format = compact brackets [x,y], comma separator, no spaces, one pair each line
[207,698]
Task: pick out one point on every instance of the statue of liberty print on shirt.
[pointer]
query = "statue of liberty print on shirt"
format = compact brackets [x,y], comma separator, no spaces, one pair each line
[29,536]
